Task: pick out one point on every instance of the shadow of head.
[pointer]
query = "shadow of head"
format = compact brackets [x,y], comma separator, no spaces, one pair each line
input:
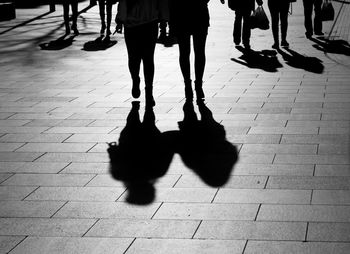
[59,44]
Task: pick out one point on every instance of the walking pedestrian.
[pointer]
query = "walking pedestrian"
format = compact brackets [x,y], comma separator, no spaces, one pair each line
[74,6]
[243,10]
[190,18]
[140,19]
[105,9]
[279,12]
[316,27]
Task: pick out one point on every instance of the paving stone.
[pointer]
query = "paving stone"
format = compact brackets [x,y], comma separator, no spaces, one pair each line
[48,180]
[295,117]
[312,159]
[29,208]
[4,177]
[333,149]
[91,138]
[143,228]
[327,124]
[246,123]
[332,170]
[74,157]
[331,197]
[78,245]
[87,168]
[44,226]
[186,246]
[31,167]
[254,139]
[235,182]
[263,196]
[192,211]
[329,232]
[273,169]
[76,193]
[18,156]
[278,149]
[107,210]
[252,230]
[9,242]
[287,247]
[108,181]
[15,192]
[283,130]
[10,147]
[40,138]
[317,213]
[308,182]
[56,147]
[92,130]
[21,129]
[314,139]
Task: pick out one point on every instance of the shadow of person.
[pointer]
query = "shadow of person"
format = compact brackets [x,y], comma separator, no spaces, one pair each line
[140,157]
[100,43]
[265,60]
[203,147]
[296,60]
[58,44]
[332,46]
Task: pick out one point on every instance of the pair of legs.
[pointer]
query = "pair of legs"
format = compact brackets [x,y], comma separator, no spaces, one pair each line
[317,26]
[74,5]
[140,43]
[105,7]
[279,12]
[242,15]
[199,41]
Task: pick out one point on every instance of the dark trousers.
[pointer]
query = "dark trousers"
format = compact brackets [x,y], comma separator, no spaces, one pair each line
[241,15]
[140,42]
[317,26]
[279,12]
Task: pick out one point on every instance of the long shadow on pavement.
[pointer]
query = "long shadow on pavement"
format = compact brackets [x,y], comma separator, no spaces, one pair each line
[143,154]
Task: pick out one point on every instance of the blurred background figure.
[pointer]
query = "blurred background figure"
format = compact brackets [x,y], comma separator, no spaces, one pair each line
[279,12]
[74,6]
[316,27]
[105,8]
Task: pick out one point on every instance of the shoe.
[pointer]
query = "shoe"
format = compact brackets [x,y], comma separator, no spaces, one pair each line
[308,35]
[108,32]
[285,44]
[75,29]
[118,28]
[275,46]
[135,91]
[319,33]
[198,85]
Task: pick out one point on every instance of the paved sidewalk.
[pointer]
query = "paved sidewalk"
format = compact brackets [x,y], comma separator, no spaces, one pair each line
[287,113]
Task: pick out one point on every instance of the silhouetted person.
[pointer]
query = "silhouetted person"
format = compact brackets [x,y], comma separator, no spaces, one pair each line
[74,6]
[141,156]
[203,146]
[243,10]
[190,18]
[316,27]
[105,8]
[140,19]
[279,12]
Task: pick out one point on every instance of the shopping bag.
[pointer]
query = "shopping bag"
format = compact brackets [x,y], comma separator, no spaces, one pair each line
[259,19]
[327,11]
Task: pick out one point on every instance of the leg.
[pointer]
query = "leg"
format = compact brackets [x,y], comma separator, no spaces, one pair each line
[237,28]
[101,7]
[284,23]
[109,17]
[317,19]
[274,23]
[149,41]
[74,4]
[308,17]
[66,17]
[199,41]
[134,59]
[246,29]
[184,41]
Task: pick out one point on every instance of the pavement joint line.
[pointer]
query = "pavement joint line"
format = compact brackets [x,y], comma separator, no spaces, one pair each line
[97,220]
[195,232]
[23,199]
[155,212]
[52,216]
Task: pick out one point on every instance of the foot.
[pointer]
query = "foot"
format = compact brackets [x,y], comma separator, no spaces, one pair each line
[150,102]
[285,44]
[75,29]
[135,92]
[108,32]
[67,31]
[275,46]
[199,90]
[308,35]
[103,28]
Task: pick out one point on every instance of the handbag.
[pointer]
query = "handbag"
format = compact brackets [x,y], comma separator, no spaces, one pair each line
[327,11]
[259,19]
